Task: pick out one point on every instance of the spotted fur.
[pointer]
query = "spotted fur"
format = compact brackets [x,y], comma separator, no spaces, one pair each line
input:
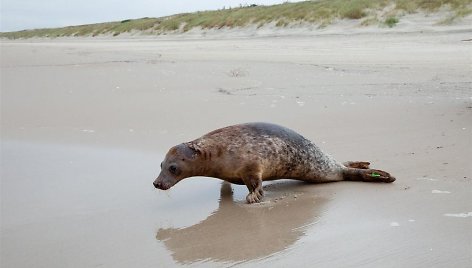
[255,152]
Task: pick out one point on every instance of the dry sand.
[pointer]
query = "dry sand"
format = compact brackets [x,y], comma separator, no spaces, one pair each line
[85,125]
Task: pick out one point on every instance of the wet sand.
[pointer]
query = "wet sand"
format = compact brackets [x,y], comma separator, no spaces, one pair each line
[85,124]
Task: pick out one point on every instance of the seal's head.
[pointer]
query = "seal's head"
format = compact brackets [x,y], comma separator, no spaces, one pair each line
[177,165]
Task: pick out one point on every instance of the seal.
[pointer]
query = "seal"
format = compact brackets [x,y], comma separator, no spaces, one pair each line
[254,152]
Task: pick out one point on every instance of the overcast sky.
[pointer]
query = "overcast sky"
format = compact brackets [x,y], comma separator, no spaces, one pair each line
[28,14]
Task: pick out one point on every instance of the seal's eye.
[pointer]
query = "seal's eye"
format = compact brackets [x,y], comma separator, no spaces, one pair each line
[173,169]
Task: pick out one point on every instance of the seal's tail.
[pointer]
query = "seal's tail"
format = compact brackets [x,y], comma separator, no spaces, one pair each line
[360,171]
[354,164]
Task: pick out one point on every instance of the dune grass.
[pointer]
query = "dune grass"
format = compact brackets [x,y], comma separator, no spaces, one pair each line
[391,21]
[322,13]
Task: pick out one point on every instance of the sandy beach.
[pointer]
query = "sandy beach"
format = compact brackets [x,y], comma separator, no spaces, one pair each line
[85,124]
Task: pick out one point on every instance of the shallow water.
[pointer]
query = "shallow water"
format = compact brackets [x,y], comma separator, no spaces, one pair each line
[76,206]
[81,206]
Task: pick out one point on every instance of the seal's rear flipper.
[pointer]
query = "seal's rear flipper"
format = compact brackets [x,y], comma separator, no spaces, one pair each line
[368,175]
[357,164]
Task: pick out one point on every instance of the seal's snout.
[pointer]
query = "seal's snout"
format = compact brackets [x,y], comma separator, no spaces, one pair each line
[162,184]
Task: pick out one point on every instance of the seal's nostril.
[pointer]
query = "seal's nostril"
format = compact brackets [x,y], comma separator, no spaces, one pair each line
[155,185]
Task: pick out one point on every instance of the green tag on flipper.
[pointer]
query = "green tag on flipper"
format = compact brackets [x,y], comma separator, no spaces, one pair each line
[374,175]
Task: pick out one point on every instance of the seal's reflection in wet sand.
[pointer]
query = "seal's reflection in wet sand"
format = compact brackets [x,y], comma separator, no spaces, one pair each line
[239,232]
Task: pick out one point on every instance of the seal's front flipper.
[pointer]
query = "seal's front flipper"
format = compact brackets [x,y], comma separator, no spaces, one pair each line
[357,164]
[254,185]
[254,197]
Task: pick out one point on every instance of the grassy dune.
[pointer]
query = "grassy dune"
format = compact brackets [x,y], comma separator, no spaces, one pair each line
[322,13]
